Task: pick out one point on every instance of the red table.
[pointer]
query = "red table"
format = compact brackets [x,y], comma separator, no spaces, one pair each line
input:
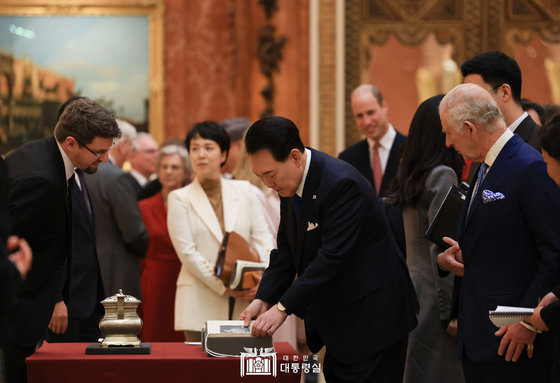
[168,362]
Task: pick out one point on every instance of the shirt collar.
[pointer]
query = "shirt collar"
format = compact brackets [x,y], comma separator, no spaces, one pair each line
[139,177]
[299,190]
[387,140]
[68,165]
[497,147]
[516,123]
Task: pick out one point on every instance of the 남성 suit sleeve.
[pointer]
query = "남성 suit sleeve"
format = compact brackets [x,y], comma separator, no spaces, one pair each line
[343,212]
[127,215]
[540,202]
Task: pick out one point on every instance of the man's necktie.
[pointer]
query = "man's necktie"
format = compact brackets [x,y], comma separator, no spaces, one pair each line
[480,177]
[297,202]
[377,172]
[84,191]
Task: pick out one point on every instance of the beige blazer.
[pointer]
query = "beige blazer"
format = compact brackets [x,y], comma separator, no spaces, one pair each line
[196,235]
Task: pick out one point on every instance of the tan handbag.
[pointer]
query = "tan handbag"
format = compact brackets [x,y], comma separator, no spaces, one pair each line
[233,248]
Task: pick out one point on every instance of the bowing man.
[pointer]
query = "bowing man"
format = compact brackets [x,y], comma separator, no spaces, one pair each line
[352,286]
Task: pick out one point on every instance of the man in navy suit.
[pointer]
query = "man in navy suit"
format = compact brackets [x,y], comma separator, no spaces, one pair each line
[40,179]
[352,286]
[507,244]
[377,156]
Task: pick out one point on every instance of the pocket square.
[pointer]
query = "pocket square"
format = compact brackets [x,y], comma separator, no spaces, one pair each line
[488,196]
[311,226]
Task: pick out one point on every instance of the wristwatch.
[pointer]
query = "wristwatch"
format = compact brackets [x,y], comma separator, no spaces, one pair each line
[281,307]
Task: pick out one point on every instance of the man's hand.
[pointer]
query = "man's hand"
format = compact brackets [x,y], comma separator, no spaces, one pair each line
[548,299]
[59,319]
[268,322]
[23,257]
[256,308]
[515,337]
[452,258]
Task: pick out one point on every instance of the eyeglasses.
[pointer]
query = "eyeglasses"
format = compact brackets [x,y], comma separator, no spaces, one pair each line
[96,154]
[497,86]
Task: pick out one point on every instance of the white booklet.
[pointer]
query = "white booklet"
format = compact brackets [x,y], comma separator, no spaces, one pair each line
[506,315]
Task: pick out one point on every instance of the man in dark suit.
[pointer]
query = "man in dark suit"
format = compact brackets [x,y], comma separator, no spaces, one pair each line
[352,286]
[377,156]
[13,267]
[143,157]
[508,244]
[86,289]
[40,178]
[500,76]
[122,238]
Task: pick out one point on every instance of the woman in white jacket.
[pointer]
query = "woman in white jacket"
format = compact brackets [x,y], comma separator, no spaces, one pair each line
[198,216]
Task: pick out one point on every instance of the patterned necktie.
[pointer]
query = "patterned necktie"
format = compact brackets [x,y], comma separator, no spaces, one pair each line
[481,171]
[84,191]
[377,172]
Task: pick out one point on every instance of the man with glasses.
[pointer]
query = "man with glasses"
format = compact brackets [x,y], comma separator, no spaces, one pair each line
[500,76]
[40,180]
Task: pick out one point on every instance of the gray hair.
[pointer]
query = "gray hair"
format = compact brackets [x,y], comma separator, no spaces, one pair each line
[139,137]
[128,131]
[168,150]
[470,102]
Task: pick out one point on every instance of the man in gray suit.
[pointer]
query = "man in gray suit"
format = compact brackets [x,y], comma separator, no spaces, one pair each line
[122,239]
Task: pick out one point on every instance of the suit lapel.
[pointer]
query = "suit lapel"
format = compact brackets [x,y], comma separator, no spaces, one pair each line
[307,202]
[202,207]
[525,128]
[392,163]
[287,210]
[230,204]
[494,175]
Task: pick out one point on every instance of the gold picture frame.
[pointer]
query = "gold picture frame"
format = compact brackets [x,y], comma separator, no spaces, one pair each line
[152,9]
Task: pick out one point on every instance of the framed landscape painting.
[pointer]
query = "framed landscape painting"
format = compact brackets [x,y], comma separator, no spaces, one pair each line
[109,51]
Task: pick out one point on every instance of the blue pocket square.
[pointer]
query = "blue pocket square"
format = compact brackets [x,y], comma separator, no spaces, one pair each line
[488,196]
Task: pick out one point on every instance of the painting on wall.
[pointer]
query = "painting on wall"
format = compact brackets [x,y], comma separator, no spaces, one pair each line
[47,58]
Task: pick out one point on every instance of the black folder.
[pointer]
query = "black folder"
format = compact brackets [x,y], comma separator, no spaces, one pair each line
[446,220]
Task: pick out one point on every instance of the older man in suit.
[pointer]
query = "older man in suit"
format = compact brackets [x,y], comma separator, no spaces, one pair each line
[352,284]
[40,180]
[508,244]
[122,239]
[377,156]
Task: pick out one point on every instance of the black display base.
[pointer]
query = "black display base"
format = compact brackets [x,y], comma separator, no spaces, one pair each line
[96,349]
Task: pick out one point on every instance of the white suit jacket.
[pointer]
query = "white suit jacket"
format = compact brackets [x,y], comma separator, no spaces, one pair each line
[196,235]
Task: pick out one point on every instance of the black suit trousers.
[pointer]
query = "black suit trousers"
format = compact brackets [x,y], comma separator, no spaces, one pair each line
[386,366]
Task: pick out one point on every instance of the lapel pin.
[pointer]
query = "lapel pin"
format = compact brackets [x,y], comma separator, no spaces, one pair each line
[314,196]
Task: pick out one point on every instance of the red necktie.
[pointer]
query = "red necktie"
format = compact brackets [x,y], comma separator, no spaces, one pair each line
[377,172]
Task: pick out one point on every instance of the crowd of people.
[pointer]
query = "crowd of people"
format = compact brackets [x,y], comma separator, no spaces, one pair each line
[100,207]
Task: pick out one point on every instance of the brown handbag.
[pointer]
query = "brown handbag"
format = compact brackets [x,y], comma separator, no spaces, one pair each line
[234,247]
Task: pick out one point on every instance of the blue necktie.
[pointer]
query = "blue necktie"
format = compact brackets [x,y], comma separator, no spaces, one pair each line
[481,171]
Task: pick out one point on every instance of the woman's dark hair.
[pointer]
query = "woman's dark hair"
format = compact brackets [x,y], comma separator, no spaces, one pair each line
[423,150]
[550,137]
[210,130]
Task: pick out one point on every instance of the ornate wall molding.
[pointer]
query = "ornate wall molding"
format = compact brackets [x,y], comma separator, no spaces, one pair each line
[269,50]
